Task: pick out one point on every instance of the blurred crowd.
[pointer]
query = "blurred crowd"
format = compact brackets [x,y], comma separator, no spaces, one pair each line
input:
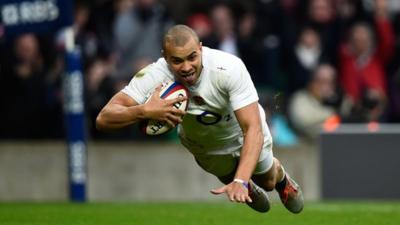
[312,61]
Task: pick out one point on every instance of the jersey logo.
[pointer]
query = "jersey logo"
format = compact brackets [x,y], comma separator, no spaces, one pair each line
[221,68]
[211,118]
[198,100]
[208,118]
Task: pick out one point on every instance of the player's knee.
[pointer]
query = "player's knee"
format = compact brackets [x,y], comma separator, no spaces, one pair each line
[274,175]
[278,166]
[268,180]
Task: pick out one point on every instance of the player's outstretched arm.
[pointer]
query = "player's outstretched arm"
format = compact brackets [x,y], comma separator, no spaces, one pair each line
[253,139]
[249,120]
[123,110]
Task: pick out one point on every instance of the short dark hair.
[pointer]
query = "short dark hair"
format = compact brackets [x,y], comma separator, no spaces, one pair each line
[179,35]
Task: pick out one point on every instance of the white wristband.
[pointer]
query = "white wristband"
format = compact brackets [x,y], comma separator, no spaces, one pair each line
[240,181]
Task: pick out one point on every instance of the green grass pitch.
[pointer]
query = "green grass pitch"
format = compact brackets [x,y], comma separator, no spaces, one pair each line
[202,213]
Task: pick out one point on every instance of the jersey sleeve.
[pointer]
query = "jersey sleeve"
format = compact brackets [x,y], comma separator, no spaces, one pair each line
[144,82]
[240,87]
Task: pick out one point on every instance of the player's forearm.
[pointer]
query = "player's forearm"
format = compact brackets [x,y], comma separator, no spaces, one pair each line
[116,116]
[252,146]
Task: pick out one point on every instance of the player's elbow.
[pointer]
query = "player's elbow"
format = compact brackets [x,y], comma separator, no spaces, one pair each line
[101,123]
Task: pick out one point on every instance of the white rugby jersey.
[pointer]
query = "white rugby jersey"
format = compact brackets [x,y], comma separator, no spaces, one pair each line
[210,125]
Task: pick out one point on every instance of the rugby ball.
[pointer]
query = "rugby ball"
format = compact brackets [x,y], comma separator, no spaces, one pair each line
[169,90]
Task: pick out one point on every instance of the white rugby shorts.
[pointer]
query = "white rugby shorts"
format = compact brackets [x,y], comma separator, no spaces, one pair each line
[223,165]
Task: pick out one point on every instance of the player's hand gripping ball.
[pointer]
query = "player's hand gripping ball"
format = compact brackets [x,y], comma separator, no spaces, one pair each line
[169,90]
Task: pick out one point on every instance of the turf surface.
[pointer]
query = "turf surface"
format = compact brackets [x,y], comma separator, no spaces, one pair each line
[359,213]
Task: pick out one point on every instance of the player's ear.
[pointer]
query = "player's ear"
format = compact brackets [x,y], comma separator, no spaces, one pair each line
[164,55]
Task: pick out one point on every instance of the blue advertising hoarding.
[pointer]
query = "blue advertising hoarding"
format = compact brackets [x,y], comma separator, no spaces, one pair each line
[36,16]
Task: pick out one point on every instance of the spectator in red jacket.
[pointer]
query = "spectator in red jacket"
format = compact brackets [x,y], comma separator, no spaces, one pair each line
[362,64]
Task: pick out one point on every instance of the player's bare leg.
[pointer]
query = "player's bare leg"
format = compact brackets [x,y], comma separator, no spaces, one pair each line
[289,191]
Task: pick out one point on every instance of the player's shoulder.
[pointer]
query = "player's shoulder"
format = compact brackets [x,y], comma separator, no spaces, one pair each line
[160,65]
[157,68]
[221,61]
